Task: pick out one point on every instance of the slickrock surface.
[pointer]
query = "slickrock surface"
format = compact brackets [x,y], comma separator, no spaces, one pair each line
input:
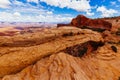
[29,39]
[65,53]
[14,57]
[102,64]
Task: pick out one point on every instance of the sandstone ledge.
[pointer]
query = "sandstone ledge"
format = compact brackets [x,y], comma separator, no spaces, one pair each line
[16,58]
[62,66]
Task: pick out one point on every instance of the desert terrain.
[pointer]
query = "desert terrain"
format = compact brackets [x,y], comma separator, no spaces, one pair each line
[84,49]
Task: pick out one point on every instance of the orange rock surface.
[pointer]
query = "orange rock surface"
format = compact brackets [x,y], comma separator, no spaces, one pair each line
[102,64]
[64,53]
[21,55]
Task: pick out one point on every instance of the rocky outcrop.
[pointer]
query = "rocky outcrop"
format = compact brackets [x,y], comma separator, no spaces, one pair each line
[69,54]
[31,39]
[102,64]
[86,23]
[83,49]
[81,21]
[13,59]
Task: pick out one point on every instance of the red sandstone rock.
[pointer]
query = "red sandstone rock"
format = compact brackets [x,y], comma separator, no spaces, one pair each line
[84,22]
[81,21]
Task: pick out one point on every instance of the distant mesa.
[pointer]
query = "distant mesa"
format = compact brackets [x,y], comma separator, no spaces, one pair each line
[86,23]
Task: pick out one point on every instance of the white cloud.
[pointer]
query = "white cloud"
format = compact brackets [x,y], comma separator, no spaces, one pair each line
[17,17]
[4,3]
[16,14]
[26,12]
[79,5]
[106,12]
[26,8]
[49,12]
[36,1]
[90,14]
[18,3]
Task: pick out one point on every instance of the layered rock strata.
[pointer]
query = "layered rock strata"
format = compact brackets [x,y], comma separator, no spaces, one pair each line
[102,64]
[14,59]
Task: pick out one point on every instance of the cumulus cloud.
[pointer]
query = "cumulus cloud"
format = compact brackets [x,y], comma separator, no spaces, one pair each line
[79,5]
[4,3]
[17,17]
[106,12]
[18,3]
[26,12]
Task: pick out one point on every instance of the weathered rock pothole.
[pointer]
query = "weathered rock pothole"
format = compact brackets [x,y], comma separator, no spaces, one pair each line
[80,50]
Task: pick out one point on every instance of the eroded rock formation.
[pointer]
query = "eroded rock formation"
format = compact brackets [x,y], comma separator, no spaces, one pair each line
[103,64]
[65,53]
[14,59]
[86,23]
[83,49]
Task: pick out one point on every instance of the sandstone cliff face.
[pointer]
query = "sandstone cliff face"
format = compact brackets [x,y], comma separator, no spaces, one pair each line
[65,53]
[86,23]
[81,21]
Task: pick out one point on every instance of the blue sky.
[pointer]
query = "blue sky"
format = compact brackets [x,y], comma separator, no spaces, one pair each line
[56,10]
